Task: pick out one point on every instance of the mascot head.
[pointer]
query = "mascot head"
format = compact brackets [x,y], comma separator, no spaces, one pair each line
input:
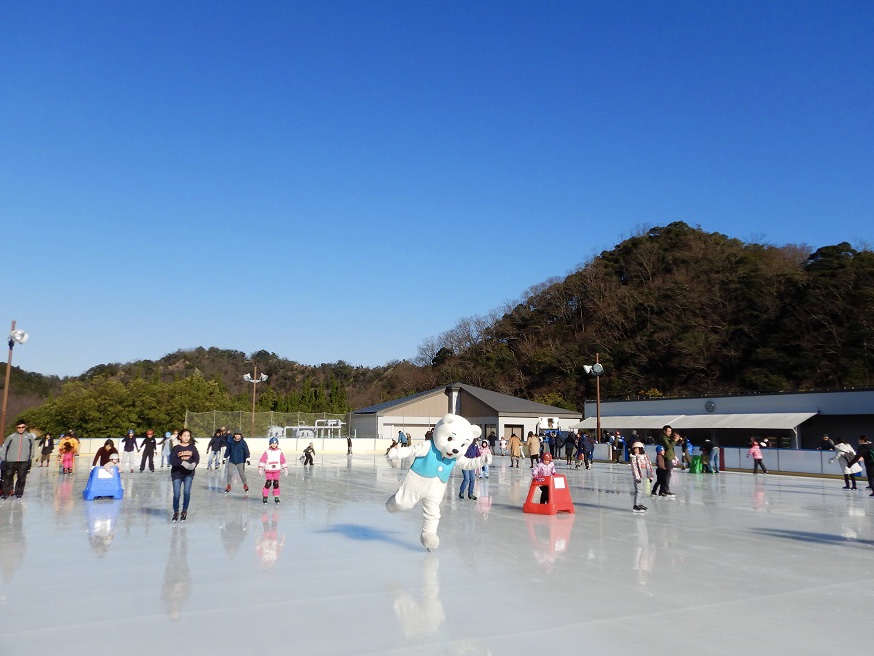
[453,434]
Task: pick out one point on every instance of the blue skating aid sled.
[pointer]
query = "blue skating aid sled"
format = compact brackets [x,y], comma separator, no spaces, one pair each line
[102,483]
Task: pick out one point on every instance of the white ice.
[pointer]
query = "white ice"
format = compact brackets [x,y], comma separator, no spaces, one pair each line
[736,564]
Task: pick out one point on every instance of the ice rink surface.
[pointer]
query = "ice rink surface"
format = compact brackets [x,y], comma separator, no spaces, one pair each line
[736,564]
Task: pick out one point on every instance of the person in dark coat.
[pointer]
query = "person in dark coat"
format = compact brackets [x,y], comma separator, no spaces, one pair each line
[103,453]
[46,446]
[149,446]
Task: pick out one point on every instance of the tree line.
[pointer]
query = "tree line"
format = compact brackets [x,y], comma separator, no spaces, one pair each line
[670,311]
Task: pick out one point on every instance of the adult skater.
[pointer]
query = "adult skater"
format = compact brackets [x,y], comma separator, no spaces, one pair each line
[46,446]
[668,439]
[237,457]
[17,453]
[844,453]
[865,453]
[515,448]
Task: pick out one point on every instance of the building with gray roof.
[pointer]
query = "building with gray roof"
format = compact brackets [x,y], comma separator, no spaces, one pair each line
[491,411]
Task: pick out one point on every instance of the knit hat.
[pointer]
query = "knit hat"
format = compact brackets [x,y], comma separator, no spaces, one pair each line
[637,445]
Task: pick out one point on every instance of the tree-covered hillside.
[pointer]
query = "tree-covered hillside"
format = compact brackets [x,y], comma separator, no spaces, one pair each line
[676,311]
[671,311]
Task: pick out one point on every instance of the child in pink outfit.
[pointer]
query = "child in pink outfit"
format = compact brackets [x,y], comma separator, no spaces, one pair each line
[67,458]
[271,463]
[756,452]
[543,469]
[641,467]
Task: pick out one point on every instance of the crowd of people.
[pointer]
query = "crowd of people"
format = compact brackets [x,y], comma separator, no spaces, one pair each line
[179,453]
[178,450]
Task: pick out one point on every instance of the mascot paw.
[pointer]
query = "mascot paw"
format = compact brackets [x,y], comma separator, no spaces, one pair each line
[430,541]
[391,505]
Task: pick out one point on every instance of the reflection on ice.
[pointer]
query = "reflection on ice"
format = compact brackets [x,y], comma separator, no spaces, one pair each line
[176,587]
[102,518]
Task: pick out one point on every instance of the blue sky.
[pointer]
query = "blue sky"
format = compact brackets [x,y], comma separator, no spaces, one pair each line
[341,180]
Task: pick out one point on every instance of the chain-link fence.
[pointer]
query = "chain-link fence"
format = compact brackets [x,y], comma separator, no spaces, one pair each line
[268,424]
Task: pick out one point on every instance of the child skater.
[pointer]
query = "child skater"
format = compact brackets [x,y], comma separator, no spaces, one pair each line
[183,460]
[640,467]
[543,469]
[67,459]
[269,466]
[661,471]
[756,452]
[484,449]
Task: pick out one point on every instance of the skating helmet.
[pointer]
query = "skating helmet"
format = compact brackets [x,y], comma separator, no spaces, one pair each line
[274,441]
[660,449]
[547,458]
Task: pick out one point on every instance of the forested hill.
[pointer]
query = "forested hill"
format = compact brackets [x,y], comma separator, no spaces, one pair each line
[674,311]
[670,311]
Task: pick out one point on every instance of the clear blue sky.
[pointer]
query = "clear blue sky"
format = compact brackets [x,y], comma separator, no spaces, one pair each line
[340,180]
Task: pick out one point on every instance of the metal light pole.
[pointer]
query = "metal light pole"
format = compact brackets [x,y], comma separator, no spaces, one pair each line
[15,336]
[254,379]
[596,370]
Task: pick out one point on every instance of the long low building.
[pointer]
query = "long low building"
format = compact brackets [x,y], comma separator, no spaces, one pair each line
[791,420]
[491,411]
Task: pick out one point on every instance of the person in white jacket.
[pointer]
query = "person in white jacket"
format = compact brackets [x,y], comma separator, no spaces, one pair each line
[271,463]
[844,453]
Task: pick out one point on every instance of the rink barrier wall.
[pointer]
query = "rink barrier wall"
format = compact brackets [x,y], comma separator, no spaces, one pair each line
[258,445]
[790,461]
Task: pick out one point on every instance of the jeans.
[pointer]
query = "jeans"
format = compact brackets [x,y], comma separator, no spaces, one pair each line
[467,478]
[714,460]
[214,456]
[184,484]
[486,471]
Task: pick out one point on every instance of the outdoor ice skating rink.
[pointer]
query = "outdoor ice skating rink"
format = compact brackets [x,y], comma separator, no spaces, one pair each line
[736,564]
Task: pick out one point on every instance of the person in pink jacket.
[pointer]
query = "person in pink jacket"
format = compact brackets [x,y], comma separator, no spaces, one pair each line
[641,467]
[271,463]
[543,469]
[756,452]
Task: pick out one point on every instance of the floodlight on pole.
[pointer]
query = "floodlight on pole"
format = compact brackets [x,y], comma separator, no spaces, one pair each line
[595,371]
[15,337]
[254,379]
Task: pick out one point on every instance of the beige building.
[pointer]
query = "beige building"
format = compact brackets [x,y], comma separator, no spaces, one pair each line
[491,411]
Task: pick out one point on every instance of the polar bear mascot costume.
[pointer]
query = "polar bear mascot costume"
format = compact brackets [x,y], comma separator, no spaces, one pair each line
[428,475]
